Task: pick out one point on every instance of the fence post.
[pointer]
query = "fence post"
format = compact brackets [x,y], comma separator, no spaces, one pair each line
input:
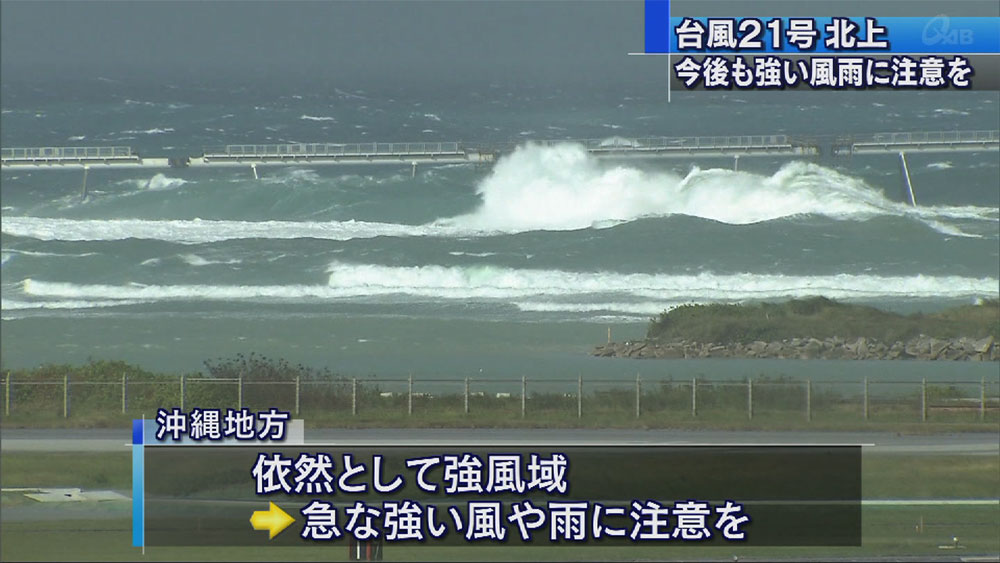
[749,399]
[638,396]
[694,397]
[982,396]
[6,399]
[466,395]
[409,396]
[354,396]
[124,396]
[923,400]
[65,396]
[866,398]
[524,392]
[809,403]
[239,392]
[579,396]
[182,392]
[298,394]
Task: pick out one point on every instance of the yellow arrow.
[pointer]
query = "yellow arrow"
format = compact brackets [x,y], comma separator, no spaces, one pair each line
[274,520]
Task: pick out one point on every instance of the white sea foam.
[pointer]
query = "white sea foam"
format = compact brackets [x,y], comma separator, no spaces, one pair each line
[158,181]
[55,254]
[77,138]
[153,131]
[17,305]
[940,165]
[562,187]
[317,117]
[598,289]
[195,260]
[161,181]
[950,111]
[288,176]
[196,231]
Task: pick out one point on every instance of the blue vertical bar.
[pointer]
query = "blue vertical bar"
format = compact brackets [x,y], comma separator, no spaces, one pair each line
[138,486]
[657,30]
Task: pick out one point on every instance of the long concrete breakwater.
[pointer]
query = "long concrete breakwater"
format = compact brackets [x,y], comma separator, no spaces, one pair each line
[419,153]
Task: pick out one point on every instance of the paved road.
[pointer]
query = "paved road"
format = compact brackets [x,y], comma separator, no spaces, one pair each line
[972,443]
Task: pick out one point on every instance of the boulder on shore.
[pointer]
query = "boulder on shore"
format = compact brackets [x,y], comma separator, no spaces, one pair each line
[920,348]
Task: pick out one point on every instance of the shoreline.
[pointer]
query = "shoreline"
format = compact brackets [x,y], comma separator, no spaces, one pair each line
[816,328]
[922,348]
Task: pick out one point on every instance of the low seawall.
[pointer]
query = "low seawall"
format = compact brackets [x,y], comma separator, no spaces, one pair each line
[920,348]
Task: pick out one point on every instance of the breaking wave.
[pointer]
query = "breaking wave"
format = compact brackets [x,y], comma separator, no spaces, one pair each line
[557,188]
[196,231]
[588,290]
[563,187]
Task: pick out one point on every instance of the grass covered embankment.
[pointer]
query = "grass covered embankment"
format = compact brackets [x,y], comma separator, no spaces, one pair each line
[819,317]
[818,328]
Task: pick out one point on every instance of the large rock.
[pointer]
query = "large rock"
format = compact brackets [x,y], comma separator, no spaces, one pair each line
[953,354]
[937,347]
[917,347]
[604,351]
[774,349]
[860,348]
[670,352]
[813,346]
[922,347]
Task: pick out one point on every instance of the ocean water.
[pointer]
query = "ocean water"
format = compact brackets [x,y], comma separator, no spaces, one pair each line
[473,271]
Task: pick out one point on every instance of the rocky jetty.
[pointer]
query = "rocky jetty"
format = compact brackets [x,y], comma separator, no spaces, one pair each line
[920,348]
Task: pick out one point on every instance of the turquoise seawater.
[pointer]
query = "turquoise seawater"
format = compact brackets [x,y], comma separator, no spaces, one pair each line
[469,271]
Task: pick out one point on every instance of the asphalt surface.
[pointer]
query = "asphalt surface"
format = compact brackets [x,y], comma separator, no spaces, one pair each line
[108,440]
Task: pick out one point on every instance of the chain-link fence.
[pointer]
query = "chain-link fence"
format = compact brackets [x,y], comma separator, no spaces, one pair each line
[490,398]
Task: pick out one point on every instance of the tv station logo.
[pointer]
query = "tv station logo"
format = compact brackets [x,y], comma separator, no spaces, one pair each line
[939,31]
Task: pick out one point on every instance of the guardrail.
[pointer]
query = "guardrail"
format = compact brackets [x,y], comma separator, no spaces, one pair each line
[67,153]
[928,137]
[334,150]
[968,140]
[660,144]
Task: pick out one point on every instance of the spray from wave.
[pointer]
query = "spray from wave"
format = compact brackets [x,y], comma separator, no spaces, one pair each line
[563,187]
[159,181]
[163,182]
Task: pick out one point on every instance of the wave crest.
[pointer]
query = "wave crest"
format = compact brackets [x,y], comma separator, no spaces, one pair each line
[563,187]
